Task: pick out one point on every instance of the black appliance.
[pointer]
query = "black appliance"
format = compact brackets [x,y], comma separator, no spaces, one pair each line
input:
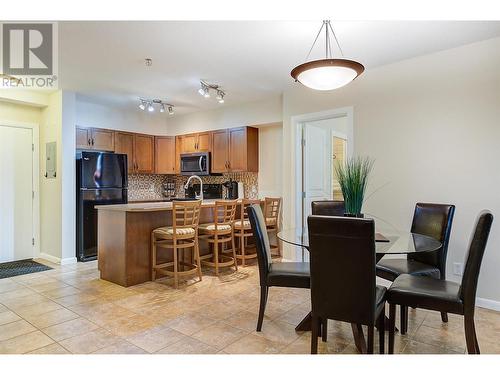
[195,164]
[231,189]
[210,191]
[101,178]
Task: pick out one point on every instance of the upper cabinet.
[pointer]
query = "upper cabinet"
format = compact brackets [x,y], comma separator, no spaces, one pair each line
[235,150]
[144,153]
[124,144]
[95,139]
[165,155]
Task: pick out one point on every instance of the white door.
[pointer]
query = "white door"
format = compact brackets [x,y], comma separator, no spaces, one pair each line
[16,187]
[317,172]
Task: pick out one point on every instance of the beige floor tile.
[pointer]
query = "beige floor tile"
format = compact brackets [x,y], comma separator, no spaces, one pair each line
[75,299]
[121,347]
[415,347]
[219,335]
[295,315]
[3,308]
[54,348]
[60,292]
[245,320]
[188,345]
[16,328]
[303,346]
[89,342]
[130,325]
[25,343]
[38,309]
[450,340]
[251,344]
[46,287]
[52,318]
[8,316]
[190,323]
[156,338]
[7,285]
[278,331]
[69,329]
[219,310]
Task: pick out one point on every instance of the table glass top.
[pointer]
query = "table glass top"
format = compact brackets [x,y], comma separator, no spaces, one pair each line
[399,243]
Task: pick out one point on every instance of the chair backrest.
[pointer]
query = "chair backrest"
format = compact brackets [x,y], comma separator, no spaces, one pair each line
[473,260]
[243,210]
[262,245]
[342,263]
[185,214]
[433,220]
[224,212]
[272,210]
[328,208]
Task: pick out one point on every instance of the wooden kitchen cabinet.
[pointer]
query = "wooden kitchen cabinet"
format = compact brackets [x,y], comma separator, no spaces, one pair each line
[124,144]
[220,151]
[235,150]
[95,139]
[144,153]
[165,155]
[204,142]
[187,143]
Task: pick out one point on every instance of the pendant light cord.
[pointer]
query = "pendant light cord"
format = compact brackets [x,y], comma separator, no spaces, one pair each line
[328,46]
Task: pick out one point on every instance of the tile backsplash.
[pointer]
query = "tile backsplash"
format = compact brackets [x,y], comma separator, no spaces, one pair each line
[143,187]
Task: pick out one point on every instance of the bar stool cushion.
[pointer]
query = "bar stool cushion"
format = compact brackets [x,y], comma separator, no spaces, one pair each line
[211,227]
[246,224]
[169,231]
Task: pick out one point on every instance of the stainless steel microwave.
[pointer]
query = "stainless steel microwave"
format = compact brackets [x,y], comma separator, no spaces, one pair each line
[195,163]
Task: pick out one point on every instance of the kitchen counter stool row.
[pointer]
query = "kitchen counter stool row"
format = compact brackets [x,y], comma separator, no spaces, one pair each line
[227,237]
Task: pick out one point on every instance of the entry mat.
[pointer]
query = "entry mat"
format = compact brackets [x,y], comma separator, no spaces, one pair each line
[21,267]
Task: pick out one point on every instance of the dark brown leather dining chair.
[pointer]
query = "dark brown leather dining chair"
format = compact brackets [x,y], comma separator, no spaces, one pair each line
[285,274]
[430,219]
[328,208]
[445,296]
[343,287]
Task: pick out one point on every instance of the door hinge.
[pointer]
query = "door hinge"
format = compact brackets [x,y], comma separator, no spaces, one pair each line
[32,147]
[303,142]
[32,194]
[303,194]
[33,241]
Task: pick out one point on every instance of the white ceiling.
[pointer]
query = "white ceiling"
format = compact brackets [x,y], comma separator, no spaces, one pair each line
[249,59]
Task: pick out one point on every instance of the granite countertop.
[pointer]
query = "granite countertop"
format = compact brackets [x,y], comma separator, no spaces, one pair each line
[149,206]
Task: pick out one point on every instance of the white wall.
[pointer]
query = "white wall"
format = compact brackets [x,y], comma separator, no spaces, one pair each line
[270,160]
[92,114]
[432,125]
[254,113]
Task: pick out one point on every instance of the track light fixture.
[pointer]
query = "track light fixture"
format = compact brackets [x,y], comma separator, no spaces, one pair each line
[205,91]
[149,104]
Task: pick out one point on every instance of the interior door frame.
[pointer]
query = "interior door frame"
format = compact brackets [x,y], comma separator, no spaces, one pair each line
[298,122]
[35,132]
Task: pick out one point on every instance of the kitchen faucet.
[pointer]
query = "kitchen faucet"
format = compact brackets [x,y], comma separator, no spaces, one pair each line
[197,196]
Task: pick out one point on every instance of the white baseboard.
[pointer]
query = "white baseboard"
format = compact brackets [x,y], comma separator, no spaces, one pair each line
[488,304]
[57,260]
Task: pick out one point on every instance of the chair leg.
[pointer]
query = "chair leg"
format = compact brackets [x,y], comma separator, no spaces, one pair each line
[369,345]
[234,252]
[197,256]
[324,329]
[392,327]
[264,290]
[444,317]
[470,335]
[153,257]
[176,261]
[242,245]
[314,334]
[216,255]
[404,320]
[381,331]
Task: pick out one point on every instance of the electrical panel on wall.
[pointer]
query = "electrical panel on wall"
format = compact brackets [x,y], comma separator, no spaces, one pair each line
[50,159]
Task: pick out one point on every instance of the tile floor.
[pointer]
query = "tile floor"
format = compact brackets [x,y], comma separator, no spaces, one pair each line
[70,310]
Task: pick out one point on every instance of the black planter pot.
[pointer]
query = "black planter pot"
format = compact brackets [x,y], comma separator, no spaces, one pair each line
[359,216]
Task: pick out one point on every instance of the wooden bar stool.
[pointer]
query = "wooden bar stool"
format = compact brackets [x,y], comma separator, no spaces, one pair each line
[243,230]
[272,217]
[183,234]
[220,232]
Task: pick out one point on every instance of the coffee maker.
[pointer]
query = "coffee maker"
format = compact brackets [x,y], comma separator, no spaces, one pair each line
[231,189]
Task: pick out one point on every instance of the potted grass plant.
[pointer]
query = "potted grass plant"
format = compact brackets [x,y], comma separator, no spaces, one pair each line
[353,179]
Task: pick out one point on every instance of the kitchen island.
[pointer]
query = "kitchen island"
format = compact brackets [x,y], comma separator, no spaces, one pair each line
[124,238]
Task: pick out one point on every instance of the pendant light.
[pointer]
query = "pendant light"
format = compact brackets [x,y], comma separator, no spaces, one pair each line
[327,73]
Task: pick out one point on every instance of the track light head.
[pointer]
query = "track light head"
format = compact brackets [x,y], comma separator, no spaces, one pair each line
[142,106]
[150,107]
[220,96]
[170,110]
[162,108]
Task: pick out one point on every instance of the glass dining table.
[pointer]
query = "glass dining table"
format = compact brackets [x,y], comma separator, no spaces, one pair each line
[393,243]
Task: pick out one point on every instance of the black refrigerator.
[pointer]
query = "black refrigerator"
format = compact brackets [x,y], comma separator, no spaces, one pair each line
[101,178]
